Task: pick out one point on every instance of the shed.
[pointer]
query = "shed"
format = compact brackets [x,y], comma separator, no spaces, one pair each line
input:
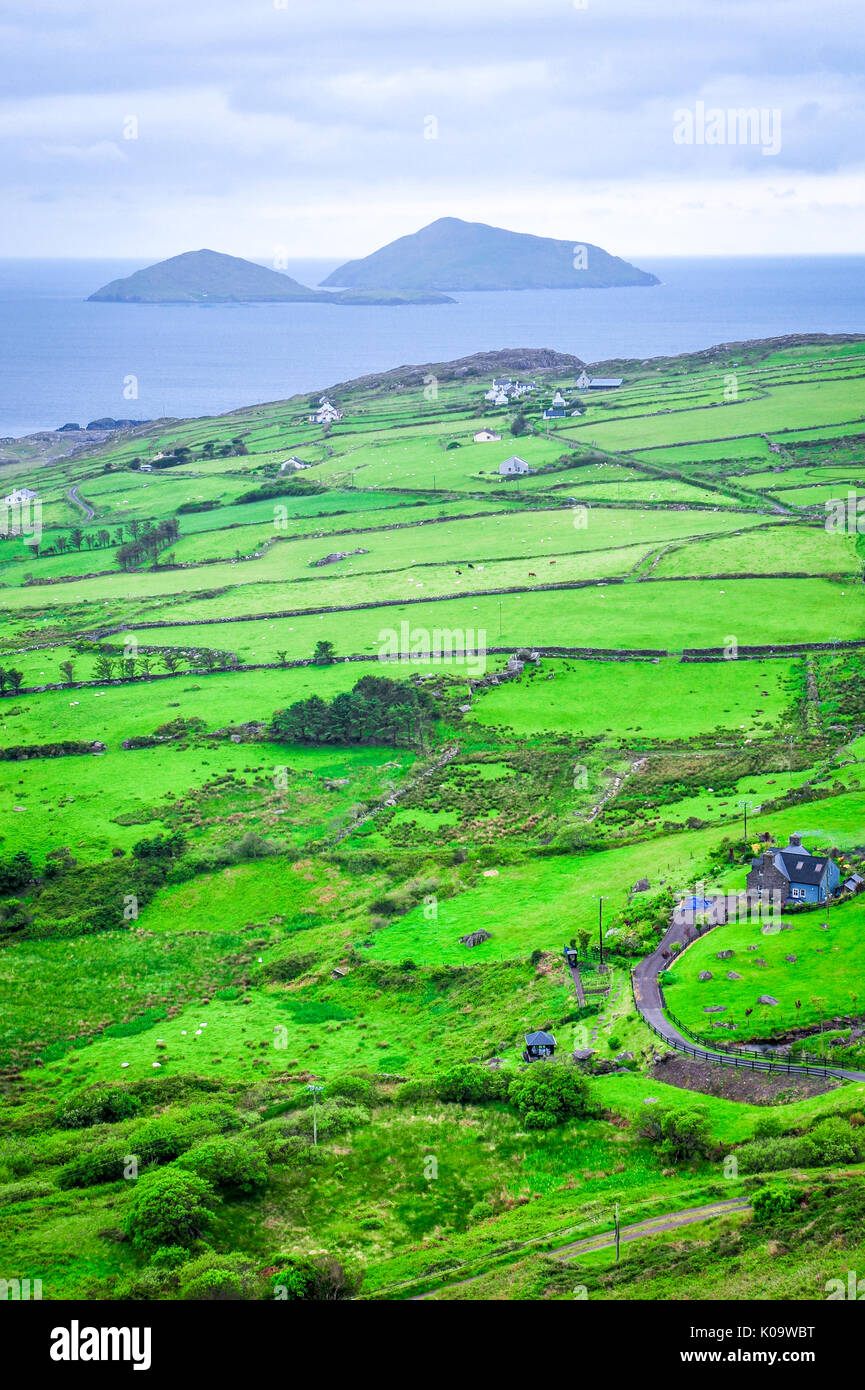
[538,1045]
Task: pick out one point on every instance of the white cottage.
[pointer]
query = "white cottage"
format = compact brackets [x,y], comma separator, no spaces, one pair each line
[512,466]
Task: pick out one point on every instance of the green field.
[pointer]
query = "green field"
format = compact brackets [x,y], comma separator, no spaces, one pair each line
[225,878]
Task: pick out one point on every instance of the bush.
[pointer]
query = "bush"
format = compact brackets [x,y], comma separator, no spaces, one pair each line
[333,1117]
[103,1164]
[168,1207]
[97,1106]
[288,967]
[549,1091]
[680,1133]
[416,1092]
[832,1141]
[159,1141]
[772,1202]
[320,1278]
[219,1278]
[471,1084]
[228,1163]
[358,1088]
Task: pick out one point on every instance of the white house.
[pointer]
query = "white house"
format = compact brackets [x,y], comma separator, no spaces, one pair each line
[559,401]
[486,436]
[513,465]
[21,494]
[294,464]
[326,413]
[146,468]
[582,381]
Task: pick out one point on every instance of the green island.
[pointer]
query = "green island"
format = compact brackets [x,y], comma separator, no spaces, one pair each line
[358,751]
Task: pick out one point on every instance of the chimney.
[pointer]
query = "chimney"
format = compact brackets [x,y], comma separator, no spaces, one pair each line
[795,841]
[768,858]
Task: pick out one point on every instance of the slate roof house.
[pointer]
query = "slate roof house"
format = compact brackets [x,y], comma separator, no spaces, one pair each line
[486,436]
[794,873]
[538,1045]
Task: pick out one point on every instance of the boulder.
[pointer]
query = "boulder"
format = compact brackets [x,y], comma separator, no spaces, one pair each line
[767,999]
[625,1057]
[715,1009]
[583,1054]
[726,955]
[475,938]
[642,885]
[731,975]
[791,959]
[705,975]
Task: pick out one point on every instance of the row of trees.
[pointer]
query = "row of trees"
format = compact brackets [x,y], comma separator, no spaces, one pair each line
[109,667]
[147,545]
[376,710]
[183,454]
[11,680]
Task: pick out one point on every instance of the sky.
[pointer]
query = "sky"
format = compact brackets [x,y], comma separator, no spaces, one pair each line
[283,129]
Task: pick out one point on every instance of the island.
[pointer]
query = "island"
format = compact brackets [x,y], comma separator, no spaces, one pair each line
[210,277]
[451,254]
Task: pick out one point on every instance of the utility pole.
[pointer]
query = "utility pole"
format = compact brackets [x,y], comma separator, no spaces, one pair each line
[500,617]
[618,1233]
[315,1093]
[745,804]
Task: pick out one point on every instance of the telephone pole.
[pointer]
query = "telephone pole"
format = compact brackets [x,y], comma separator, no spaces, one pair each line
[601,900]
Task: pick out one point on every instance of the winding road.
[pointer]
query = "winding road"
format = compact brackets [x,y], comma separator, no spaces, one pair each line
[649,1002]
[86,508]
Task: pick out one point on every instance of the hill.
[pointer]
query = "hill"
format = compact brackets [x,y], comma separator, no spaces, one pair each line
[209,277]
[451,254]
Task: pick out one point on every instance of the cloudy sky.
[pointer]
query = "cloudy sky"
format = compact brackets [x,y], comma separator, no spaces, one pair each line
[279,127]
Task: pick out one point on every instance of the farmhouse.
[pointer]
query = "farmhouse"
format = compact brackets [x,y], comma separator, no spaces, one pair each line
[326,413]
[538,1045]
[582,381]
[294,464]
[513,465]
[554,413]
[486,436]
[794,873]
[20,494]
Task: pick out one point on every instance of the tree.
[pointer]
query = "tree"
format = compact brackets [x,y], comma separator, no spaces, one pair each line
[549,1093]
[519,424]
[16,873]
[320,1278]
[170,661]
[104,669]
[4,679]
[67,670]
[15,679]
[76,537]
[680,1134]
[14,916]
[235,1164]
[168,1207]
[324,654]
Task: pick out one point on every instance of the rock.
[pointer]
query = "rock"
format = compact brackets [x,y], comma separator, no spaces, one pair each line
[335,555]
[583,1054]
[650,1100]
[726,955]
[753,948]
[731,975]
[625,1057]
[642,885]
[494,1063]
[705,975]
[475,938]
[767,999]
[603,1067]
[715,1009]
[791,959]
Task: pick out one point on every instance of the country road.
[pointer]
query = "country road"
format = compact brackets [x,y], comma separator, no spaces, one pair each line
[86,508]
[639,1230]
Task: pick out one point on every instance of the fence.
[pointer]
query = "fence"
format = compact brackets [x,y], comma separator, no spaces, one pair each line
[724,1055]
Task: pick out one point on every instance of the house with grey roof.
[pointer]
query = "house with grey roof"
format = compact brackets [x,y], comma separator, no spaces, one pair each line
[513,466]
[799,877]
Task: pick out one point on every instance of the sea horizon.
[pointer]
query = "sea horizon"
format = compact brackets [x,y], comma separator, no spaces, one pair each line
[64,360]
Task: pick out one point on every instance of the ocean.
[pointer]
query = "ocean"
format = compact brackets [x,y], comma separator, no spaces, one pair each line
[64,360]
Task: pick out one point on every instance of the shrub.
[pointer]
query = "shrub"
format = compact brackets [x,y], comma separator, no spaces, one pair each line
[169,1256]
[103,1164]
[832,1141]
[321,1278]
[471,1084]
[680,1133]
[549,1090]
[288,967]
[159,1141]
[168,1207]
[97,1106]
[333,1117]
[228,1163]
[219,1278]
[416,1092]
[358,1088]
[772,1202]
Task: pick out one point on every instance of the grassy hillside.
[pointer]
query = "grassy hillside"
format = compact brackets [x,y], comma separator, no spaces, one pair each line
[243,846]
